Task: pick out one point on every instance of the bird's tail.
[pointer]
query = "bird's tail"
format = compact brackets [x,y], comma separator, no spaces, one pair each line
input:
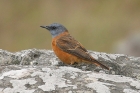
[99,64]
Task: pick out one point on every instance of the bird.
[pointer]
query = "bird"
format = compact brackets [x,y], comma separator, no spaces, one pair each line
[67,48]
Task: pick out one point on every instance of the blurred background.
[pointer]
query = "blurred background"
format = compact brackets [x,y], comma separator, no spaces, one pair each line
[100,25]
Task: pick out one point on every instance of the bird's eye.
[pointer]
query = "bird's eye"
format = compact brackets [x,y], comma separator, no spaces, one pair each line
[53,27]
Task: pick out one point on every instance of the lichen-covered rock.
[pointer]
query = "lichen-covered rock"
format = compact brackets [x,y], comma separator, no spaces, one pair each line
[40,71]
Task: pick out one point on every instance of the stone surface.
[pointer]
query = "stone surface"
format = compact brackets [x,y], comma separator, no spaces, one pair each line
[40,71]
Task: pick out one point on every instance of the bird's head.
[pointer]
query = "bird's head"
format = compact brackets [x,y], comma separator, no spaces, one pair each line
[55,29]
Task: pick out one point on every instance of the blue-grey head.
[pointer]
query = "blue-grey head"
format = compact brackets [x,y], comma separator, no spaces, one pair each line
[55,29]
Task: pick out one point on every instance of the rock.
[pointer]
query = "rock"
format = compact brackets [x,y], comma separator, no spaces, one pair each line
[40,71]
[129,45]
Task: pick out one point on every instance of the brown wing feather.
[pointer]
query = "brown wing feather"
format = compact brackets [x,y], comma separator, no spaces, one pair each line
[72,46]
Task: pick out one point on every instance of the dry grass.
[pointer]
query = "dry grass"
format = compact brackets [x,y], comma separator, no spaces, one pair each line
[97,24]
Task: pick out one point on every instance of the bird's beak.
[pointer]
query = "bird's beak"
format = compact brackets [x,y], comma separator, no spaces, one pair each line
[45,27]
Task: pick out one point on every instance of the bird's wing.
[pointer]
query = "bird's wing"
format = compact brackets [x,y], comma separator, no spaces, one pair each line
[72,46]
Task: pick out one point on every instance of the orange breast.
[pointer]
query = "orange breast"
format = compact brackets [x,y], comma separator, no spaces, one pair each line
[63,56]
